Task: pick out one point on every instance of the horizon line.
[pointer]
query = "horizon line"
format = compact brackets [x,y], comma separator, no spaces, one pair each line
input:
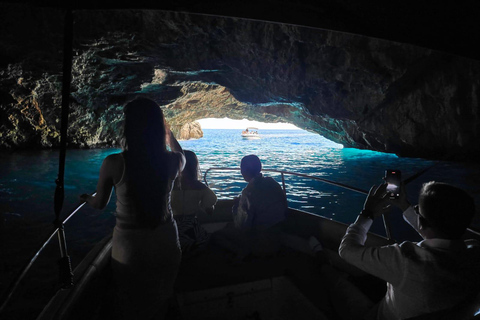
[227,123]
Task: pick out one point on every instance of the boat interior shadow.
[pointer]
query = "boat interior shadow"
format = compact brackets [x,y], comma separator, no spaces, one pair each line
[292,283]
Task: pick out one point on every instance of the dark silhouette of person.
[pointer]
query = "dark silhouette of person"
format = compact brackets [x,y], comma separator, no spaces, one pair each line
[257,214]
[262,203]
[189,198]
[145,252]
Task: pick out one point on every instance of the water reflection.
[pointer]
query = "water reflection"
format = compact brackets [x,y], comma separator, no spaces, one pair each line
[27,183]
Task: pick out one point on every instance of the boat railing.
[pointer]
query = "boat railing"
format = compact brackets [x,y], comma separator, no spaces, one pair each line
[386,223]
[58,230]
[283,173]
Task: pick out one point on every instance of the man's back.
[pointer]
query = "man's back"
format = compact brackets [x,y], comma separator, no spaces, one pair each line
[265,203]
[432,275]
[438,273]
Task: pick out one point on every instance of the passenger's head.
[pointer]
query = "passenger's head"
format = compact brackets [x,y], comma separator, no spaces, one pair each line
[250,167]
[144,126]
[192,169]
[447,209]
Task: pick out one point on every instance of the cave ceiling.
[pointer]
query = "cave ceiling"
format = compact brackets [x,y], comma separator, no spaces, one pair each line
[360,91]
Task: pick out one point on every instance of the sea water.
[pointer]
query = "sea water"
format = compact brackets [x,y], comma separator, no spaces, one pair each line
[27,179]
[27,185]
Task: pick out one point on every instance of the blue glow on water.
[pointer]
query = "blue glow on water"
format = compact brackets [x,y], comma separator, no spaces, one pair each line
[27,179]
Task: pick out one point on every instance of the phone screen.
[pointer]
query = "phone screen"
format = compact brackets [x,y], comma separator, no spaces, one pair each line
[393,180]
[392,188]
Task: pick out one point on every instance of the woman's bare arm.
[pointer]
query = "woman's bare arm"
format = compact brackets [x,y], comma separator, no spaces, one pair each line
[111,166]
[175,147]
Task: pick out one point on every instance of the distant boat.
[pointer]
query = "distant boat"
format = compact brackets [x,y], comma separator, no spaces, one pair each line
[250,133]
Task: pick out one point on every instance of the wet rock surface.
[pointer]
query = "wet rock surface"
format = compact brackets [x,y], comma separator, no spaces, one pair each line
[361,92]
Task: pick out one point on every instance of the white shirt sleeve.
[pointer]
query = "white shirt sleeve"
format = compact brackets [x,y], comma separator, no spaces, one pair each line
[383,262]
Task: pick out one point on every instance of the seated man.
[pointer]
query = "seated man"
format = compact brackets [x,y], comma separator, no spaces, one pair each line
[262,203]
[257,213]
[435,275]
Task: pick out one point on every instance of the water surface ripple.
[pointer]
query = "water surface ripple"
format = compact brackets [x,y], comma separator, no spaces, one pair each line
[27,184]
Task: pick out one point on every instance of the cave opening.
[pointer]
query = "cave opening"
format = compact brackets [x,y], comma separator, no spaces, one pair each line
[227,123]
[260,127]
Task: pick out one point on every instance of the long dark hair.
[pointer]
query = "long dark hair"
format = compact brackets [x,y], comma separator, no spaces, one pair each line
[144,129]
[146,160]
[190,174]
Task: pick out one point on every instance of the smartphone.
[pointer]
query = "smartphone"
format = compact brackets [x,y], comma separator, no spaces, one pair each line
[393,178]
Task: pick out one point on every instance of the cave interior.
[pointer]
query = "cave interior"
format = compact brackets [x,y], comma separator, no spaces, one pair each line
[387,77]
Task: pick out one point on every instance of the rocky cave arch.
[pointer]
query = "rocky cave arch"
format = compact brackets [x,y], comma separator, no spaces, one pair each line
[358,91]
[200,100]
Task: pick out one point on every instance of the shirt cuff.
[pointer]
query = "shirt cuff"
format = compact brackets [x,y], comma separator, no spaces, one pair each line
[357,231]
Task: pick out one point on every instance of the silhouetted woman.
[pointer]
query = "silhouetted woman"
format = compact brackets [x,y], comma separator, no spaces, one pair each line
[145,252]
[189,198]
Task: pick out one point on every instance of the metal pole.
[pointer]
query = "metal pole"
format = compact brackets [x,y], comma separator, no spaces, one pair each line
[388,229]
[65,271]
[283,184]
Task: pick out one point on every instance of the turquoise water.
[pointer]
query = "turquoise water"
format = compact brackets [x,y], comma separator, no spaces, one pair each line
[27,184]
[27,180]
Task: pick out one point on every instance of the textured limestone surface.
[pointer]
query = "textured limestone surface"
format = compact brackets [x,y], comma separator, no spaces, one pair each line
[191,130]
[358,91]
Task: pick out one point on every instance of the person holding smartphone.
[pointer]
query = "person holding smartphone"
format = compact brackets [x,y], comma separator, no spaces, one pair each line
[146,253]
[437,276]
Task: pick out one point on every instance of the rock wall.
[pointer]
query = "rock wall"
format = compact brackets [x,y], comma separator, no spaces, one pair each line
[358,91]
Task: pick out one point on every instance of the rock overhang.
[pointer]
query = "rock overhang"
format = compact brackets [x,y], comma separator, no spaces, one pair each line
[358,91]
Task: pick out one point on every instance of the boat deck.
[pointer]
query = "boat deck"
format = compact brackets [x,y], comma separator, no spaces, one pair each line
[292,283]
[289,285]
[210,282]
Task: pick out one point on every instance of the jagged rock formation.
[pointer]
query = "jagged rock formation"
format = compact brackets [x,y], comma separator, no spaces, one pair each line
[188,131]
[357,91]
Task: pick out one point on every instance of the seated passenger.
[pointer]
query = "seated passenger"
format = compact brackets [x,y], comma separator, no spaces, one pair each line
[189,198]
[262,203]
[436,275]
[257,214]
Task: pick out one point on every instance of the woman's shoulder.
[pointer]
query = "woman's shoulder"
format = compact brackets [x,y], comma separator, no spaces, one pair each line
[199,185]
[114,159]
[115,156]
[193,185]
[112,167]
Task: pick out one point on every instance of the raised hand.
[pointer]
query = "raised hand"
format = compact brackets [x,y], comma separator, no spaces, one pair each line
[377,201]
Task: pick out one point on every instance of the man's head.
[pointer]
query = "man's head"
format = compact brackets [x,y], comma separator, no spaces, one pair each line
[446,209]
[250,167]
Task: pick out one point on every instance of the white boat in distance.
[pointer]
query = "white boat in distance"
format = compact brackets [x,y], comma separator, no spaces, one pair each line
[250,133]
